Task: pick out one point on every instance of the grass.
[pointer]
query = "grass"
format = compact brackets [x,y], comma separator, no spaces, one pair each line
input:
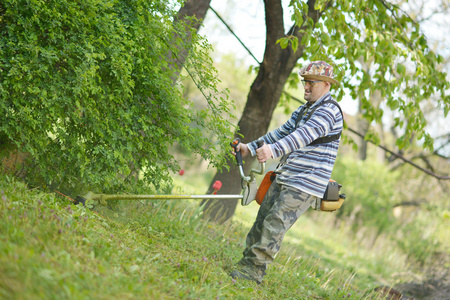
[52,249]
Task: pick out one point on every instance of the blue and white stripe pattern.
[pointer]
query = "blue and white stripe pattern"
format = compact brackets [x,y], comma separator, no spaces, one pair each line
[307,168]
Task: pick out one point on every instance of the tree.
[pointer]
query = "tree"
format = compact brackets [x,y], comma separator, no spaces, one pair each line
[189,18]
[343,32]
[86,92]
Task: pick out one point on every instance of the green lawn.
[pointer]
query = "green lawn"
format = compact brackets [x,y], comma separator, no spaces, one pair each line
[52,249]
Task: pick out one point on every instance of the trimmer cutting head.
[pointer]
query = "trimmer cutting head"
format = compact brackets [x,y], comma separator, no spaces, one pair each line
[249,193]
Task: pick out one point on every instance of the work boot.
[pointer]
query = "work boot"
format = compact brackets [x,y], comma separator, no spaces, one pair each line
[239,274]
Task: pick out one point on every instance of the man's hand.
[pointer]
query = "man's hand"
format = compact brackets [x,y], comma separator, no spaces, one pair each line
[243,148]
[263,153]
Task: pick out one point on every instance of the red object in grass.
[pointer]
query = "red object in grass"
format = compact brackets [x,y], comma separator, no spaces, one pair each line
[217,186]
[181,172]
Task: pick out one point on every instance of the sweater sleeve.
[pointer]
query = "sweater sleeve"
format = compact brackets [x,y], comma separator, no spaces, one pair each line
[277,134]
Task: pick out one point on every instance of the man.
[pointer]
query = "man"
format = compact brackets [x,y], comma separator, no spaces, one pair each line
[303,172]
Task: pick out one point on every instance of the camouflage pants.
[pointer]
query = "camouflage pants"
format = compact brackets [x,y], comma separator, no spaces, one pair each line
[278,212]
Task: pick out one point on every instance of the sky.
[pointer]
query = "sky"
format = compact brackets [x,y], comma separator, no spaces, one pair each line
[246,18]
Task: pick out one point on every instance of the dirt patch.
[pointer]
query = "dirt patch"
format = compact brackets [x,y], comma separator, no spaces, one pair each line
[436,283]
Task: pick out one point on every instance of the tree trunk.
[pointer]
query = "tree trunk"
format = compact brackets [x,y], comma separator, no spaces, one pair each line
[192,8]
[262,99]
[363,125]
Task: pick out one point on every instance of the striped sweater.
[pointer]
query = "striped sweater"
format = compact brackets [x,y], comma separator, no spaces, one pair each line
[307,168]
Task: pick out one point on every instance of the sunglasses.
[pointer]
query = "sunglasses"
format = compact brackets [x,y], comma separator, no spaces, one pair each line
[310,82]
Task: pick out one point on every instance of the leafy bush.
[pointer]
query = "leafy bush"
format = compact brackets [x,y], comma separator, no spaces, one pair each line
[373,191]
[420,237]
[370,190]
[87,92]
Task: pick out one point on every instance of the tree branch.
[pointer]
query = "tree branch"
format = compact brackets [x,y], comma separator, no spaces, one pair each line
[232,32]
[441,177]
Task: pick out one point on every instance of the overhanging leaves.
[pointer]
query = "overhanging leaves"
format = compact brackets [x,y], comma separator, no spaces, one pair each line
[402,67]
[86,90]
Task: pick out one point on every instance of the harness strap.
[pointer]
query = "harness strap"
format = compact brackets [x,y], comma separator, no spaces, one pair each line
[326,139]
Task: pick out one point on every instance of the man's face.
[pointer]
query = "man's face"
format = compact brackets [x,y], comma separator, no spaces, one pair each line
[314,89]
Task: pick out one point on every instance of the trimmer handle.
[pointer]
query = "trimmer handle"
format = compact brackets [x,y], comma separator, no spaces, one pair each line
[234,144]
[260,143]
[251,177]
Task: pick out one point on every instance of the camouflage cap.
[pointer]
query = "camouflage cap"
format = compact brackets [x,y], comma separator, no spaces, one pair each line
[318,70]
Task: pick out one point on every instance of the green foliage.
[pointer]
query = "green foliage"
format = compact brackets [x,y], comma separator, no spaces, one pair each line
[288,40]
[376,47]
[86,90]
[419,237]
[371,192]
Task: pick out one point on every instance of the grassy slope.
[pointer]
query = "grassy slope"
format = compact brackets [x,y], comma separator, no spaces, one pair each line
[51,249]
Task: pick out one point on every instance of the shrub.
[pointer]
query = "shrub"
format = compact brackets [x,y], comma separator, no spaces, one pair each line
[87,92]
[370,190]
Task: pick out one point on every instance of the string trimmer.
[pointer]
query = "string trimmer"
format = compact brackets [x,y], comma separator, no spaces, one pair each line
[249,187]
